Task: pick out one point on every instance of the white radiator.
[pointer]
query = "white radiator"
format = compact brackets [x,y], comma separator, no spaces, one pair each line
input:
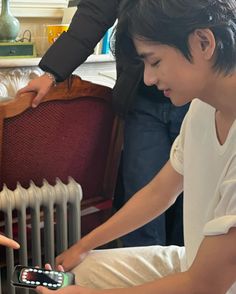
[46,221]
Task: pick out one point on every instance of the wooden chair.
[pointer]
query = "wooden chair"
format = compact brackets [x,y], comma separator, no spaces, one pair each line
[73,132]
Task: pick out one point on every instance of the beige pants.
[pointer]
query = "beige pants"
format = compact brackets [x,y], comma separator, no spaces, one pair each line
[124,267]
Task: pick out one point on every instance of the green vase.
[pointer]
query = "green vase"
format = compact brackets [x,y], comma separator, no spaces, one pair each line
[9,25]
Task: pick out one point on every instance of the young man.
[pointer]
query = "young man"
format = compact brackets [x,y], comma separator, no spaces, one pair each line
[189,50]
[151,121]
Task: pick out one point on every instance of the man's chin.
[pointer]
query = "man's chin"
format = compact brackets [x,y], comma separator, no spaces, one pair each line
[179,102]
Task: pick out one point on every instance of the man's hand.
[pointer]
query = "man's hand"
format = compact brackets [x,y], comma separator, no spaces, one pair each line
[40,85]
[71,257]
[8,242]
[66,290]
[73,289]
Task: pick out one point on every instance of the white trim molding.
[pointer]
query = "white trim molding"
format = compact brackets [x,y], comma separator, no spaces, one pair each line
[38,8]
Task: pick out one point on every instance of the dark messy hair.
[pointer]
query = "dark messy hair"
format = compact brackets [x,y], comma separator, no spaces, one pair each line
[170,22]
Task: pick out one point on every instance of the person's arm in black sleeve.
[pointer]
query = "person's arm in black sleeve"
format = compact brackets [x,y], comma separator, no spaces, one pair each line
[89,24]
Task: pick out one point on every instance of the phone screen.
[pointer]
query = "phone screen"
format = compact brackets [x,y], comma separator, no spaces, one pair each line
[32,277]
[41,277]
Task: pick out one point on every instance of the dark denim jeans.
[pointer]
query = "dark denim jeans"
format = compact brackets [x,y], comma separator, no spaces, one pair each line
[150,130]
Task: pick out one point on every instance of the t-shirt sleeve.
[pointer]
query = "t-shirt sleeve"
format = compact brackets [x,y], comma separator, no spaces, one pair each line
[177,150]
[225,211]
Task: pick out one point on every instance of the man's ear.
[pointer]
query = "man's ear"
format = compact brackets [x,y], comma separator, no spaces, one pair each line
[206,42]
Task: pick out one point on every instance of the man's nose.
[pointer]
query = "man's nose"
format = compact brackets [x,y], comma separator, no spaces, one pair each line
[149,77]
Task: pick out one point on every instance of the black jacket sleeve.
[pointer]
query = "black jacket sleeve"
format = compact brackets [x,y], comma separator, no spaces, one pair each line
[89,24]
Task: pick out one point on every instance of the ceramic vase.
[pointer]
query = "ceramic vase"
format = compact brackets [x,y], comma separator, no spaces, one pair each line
[9,25]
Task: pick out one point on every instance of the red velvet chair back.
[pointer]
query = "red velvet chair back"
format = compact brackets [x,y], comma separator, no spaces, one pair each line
[73,132]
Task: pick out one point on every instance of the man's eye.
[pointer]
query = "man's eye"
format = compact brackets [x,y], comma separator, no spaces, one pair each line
[155,63]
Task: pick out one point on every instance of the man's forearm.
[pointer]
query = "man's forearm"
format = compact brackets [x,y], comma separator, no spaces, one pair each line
[88,26]
[145,205]
[121,223]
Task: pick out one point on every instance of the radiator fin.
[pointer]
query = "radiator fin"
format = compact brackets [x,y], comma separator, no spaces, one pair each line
[45,220]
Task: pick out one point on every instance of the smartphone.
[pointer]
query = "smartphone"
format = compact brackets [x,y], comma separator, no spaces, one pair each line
[31,277]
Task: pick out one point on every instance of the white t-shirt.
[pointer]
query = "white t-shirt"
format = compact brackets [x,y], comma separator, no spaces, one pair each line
[209,170]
